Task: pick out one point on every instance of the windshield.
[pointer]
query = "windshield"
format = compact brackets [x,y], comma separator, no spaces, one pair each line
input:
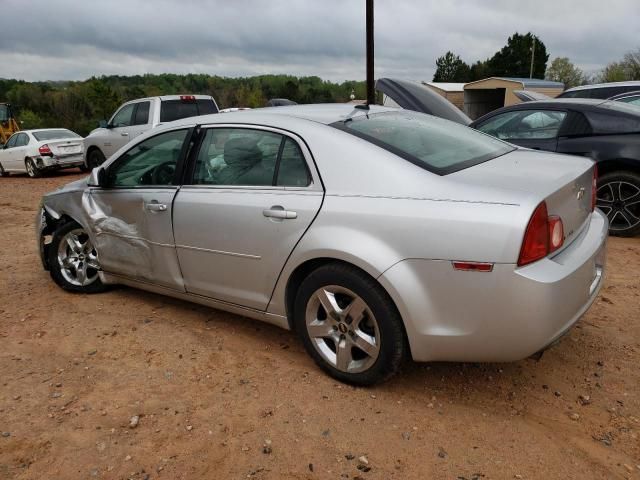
[432,143]
[44,135]
[4,113]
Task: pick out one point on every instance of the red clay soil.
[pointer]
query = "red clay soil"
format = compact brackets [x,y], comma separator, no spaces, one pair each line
[212,389]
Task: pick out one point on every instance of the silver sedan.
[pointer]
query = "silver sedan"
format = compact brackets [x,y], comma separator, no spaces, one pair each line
[376,234]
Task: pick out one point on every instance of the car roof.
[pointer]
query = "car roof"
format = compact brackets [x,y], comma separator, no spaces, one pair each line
[631,83]
[319,113]
[170,97]
[44,130]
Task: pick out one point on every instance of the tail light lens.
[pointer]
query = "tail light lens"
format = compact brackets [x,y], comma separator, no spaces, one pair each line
[594,187]
[543,235]
[45,151]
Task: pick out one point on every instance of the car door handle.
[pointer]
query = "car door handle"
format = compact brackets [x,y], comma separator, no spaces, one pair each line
[155,207]
[279,212]
[124,134]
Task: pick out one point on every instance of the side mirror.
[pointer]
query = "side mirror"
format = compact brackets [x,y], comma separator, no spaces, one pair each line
[98,178]
[103,124]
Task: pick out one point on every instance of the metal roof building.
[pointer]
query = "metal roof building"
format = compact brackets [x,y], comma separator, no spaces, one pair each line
[483,96]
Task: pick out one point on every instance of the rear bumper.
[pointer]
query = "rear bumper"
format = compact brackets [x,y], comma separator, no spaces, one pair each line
[54,163]
[505,315]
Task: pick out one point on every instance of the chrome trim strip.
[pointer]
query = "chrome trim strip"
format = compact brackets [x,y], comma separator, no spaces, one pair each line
[221,252]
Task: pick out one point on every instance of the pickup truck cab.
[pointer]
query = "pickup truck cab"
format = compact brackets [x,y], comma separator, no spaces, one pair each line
[138,116]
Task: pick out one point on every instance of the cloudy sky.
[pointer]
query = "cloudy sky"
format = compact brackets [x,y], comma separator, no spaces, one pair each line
[75,39]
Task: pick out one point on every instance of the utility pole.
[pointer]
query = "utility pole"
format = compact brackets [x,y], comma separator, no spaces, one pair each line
[533,54]
[371,93]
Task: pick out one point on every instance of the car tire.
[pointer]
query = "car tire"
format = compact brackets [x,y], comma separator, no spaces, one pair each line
[359,338]
[2,172]
[32,170]
[73,261]
[95,159]
[83,168]
[618,196]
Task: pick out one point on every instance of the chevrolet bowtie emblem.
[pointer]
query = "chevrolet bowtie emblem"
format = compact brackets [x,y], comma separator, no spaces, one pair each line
[580,193]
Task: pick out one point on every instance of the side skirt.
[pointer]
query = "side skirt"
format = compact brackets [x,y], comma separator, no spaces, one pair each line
[277,320]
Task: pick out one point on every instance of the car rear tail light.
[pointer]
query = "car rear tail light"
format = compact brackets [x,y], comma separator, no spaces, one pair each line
[544,234]
[187,98]
[45,151]
[473,266]
[594,187]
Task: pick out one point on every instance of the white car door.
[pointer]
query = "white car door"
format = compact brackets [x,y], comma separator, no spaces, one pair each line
[117,133]
[7,153]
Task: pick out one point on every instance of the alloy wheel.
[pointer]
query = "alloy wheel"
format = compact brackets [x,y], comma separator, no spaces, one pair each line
[30,168]
[620,202]
[342,329]
[78,258]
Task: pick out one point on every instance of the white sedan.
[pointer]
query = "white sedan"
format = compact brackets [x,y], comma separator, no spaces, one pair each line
[36,151]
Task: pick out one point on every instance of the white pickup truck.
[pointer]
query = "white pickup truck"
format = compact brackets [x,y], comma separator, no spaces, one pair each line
[136,117]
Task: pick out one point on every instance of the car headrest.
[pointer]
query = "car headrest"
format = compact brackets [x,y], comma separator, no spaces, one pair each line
[242,152]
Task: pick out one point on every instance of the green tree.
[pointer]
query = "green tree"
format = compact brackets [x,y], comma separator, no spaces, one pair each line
[562,70]
[613,72]
[514,59]
[631,64]
[450,68]
[29,120]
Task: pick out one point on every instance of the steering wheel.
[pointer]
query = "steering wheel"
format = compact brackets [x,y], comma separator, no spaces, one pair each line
[163,174]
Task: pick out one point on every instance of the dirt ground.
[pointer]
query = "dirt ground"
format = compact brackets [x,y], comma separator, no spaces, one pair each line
[210,388]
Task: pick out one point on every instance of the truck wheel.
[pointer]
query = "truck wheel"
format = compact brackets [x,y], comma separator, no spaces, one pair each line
[95,159]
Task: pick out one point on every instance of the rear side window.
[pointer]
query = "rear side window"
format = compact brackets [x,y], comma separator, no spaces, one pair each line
[248,157]
[432,143]
[606,123]
[23,140]
[141,117]
[171,110]
[524,125]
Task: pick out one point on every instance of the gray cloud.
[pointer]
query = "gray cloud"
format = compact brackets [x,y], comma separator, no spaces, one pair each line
[66,39]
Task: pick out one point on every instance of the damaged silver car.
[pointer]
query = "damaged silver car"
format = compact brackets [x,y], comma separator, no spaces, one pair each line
[374,233]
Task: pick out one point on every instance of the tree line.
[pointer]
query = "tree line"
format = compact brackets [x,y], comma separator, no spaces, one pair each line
[79,105]
[514,60]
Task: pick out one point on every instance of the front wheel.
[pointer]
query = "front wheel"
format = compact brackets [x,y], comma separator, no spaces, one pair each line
[349,325]
[618,197]
[31,168]
[95,159]
[73,260]
[2,172]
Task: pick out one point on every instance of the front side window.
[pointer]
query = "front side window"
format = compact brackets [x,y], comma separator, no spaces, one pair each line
[12,141]
[247,157]
[524,125]
[152,162]
[23,140]
[141,116]
[432,143]
[124,116]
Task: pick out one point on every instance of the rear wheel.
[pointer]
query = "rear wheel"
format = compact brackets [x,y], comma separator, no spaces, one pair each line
[73,260]
[618,197]
[31,168]
[95,159]
[349,325]
[84,168]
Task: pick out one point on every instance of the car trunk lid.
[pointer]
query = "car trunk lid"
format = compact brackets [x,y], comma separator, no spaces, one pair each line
[65,147]
[562,181]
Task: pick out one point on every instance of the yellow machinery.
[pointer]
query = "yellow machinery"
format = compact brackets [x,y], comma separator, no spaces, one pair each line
[8,123]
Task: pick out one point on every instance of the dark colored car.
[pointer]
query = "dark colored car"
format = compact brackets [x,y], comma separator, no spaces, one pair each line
[600,90]
[632,98]
[606,131]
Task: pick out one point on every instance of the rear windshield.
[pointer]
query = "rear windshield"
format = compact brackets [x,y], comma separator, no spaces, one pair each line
[176,109]
[54,134]
[432,143]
